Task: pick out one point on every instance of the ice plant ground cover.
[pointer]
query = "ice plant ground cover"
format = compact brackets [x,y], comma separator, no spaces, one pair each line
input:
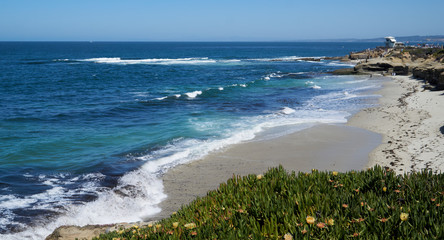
[370,204]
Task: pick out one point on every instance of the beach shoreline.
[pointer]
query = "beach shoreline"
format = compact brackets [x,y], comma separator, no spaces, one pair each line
[403,132]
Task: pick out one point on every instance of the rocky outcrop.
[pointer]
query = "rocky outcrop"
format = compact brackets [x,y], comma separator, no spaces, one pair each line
[367,54]
[347,71]
[383,67]
[90,231]
[423,64]
[434,74]
[373,66]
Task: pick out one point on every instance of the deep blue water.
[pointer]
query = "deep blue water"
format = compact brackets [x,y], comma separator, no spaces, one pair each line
[81,121]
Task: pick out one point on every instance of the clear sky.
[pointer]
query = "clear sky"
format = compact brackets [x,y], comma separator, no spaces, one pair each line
[211,20]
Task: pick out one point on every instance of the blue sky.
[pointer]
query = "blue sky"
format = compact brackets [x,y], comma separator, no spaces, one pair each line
[211,20]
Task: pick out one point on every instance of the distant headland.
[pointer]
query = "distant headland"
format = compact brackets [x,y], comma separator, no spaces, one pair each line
[423,61]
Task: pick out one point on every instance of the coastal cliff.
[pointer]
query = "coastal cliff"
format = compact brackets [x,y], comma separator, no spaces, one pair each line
[423,63]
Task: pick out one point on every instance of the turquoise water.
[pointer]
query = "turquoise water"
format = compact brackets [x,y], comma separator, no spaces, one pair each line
[89,127]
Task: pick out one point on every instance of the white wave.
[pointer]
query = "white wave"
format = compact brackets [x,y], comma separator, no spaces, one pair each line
[316,87]
[102,60]
[335,63]
[161,98]
[348,95]
[62,60]
[135,197]
[221,88]
[243,85]
[284,58]
[355,81]
[287,110]
[193,94]
[13,202]
[230,61]
[153,61]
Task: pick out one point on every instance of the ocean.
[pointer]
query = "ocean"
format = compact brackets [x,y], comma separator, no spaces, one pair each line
[88,128]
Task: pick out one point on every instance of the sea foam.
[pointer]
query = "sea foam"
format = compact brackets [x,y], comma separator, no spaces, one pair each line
[154,61]
[193,94]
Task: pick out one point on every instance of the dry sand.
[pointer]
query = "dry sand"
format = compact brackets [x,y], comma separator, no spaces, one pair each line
[411,120]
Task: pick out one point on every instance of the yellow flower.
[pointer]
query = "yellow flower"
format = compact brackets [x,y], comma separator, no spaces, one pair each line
[404,216]
[331,222]
[175,224]
[288,236]
[335,173]
[384,189]
[310,220]
[190,225]
[259,177]
[158,226]
[304,231]
[345,205]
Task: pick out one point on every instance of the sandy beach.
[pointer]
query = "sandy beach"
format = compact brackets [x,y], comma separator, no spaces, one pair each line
[411,120]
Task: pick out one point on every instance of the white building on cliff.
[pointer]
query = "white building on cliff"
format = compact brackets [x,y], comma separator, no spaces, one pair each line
[390,42]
